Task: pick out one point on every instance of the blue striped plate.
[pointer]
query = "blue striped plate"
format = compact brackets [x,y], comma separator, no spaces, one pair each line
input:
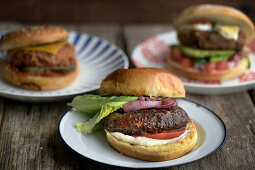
[96,57]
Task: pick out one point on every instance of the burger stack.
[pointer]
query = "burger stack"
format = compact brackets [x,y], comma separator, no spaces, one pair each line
[212,43]
[38,58]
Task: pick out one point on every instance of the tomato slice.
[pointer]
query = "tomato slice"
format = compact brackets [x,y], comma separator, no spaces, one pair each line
[164,135]
[187,63]
[210,67]
[222,65]
[201,21]
[176,54]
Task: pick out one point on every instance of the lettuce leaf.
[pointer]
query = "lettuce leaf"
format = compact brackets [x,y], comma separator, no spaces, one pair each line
[89,126]
[99,107]
[91,104]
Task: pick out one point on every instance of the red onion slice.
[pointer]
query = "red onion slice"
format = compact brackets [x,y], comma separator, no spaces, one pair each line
[167,102]
[138,105]
[149,102]
[167,105]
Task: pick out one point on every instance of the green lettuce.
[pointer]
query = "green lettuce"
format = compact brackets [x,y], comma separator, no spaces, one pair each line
[98,107]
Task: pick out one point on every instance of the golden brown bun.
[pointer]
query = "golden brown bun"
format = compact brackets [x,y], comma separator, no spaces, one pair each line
[142,82]
[34,35]
[217,13]
[162,152]
[38,83]
[206,76]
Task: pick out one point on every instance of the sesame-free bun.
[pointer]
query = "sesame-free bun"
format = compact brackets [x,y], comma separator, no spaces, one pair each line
[209,76]
[37,82]
[33,35]
[217,13]
[142,82]
[162,152]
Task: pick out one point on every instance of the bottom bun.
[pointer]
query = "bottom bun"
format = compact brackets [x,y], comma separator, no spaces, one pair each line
[209,76]
[162,152]
[37,82]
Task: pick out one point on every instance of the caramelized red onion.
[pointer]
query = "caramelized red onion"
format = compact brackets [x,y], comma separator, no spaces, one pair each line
[149,102]
[167,102]
[138,105]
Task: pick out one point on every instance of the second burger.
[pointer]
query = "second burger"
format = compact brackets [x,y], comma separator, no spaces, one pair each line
[38,58]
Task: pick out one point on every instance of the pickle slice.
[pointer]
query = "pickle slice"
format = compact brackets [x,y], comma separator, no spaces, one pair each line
[29,69]
[39,70]
[63,69]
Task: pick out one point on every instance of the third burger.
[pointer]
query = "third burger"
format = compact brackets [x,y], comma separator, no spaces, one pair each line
[212,41]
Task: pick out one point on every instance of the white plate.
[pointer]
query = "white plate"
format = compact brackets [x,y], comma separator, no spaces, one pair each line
[152,52]
[211,135]
[96,58]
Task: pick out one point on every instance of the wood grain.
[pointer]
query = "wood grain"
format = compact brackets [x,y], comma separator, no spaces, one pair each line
[1,110]
[236,110]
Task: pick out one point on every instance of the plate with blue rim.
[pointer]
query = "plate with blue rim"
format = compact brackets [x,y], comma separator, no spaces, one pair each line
[96,58]
[210,127]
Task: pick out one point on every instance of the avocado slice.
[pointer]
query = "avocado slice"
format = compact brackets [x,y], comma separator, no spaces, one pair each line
[249,62]
[199,53]
[219,58]
[29,69]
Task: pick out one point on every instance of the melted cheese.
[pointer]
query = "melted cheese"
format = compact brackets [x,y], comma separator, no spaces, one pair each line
[228,31]
[52,48]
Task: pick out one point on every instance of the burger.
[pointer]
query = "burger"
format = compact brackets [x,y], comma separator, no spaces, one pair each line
[38,58]
[212,43]
[140,114]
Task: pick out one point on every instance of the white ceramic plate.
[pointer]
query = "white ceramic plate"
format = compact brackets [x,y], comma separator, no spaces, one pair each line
[152,52]
[96,58]
[211,135]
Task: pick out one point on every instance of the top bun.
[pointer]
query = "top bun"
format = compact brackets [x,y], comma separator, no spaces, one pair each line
[142,82]
[34,35]
[217,13]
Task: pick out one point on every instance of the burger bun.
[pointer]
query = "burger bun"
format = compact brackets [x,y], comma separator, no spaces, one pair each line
[37,82]
[217,13]
[163,152]
[34,35]
[142,82]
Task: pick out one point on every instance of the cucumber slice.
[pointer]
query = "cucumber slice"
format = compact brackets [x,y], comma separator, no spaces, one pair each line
[199,53]
[29,69]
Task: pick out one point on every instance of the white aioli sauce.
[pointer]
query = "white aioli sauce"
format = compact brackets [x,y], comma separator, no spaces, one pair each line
[146,141]
[199,27]
[203,27]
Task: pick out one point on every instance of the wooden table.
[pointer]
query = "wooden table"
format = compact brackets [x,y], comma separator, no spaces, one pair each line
[29,136]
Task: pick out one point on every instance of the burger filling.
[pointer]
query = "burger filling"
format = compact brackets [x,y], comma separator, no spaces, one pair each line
[145,141]
[133,118]
[213,60]
[56,58]
[164,120]
[208,46]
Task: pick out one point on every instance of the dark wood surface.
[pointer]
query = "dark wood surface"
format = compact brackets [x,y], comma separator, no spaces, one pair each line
[29,136]
[106,11]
